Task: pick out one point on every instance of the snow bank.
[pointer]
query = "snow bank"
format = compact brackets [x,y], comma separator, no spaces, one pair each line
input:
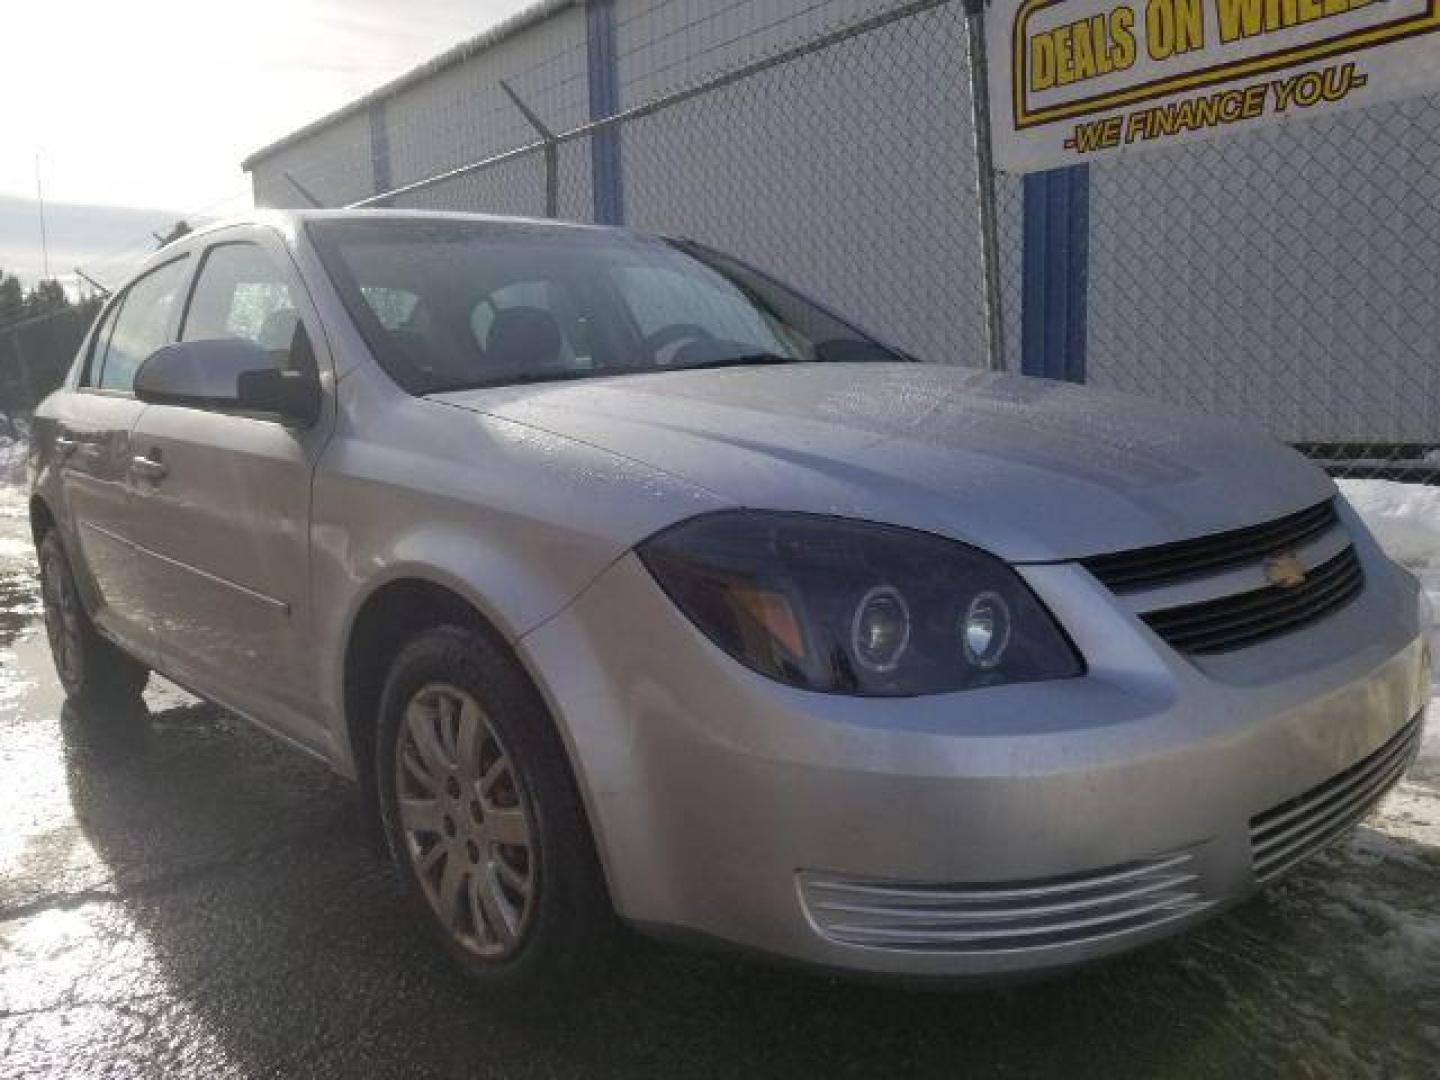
[12,454]
[1405,518]
[14,542]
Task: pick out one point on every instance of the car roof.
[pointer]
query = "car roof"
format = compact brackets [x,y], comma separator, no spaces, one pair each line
[291,218]
[288,222]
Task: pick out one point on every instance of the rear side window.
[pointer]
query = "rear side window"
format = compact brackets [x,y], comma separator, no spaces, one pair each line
[241,293]
[143,324]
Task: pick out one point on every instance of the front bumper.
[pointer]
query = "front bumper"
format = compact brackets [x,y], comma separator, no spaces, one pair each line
[916,836]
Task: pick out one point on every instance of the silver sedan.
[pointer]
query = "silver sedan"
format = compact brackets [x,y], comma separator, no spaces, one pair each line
[626,581]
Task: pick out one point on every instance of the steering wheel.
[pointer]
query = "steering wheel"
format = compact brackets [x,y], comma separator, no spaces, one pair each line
[675,334]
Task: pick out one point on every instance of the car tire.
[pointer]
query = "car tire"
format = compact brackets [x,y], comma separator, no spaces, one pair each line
[90,668]
[473,780]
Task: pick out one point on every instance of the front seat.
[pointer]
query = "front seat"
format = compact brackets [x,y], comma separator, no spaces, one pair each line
[524,339]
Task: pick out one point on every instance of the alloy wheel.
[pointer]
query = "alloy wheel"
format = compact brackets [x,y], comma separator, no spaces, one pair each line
[466,822]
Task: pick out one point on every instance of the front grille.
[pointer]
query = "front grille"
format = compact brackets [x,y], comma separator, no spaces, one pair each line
[1004,917]
[1242,619]
[1296,829]
[1166,564]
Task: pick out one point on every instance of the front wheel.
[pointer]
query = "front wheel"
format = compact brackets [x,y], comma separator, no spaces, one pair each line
[89,667]
[482,814]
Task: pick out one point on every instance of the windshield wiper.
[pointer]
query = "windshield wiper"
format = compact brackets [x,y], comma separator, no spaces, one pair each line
[743,360]
[519,378]
[522,378]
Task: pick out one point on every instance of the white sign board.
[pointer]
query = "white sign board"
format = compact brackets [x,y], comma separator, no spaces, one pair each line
[1074,79]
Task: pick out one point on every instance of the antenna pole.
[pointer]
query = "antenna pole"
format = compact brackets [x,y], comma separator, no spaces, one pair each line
[44,239]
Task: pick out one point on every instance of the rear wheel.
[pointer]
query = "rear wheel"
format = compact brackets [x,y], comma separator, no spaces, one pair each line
[482,815]
[89,667]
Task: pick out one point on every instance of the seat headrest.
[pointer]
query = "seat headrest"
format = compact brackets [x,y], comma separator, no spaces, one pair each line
[523,338]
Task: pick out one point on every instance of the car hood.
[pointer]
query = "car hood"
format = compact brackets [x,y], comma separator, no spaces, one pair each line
[1030,469]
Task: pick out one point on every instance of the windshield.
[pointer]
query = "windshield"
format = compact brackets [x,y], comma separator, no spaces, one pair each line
[447,304]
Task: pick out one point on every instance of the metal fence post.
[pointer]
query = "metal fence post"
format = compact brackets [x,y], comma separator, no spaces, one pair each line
[379,147]
[305,193]
[551,151]
[985,197]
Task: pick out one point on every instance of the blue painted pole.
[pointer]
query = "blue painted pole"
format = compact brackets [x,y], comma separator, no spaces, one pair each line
[606,165]
[1055,268]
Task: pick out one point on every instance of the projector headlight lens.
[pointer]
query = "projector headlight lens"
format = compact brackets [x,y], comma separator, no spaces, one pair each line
[986,632]
[880,630]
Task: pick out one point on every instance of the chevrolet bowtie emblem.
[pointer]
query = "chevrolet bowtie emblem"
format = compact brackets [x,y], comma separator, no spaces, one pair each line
[1285,570]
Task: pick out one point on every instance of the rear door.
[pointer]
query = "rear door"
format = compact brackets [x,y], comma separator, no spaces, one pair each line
[93,435]
[223,501]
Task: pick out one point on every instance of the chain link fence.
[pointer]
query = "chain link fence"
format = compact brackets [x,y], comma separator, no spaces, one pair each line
[843,163]
[1286,277]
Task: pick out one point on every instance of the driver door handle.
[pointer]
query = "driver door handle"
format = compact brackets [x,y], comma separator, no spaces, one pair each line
[67,444]
[149,466]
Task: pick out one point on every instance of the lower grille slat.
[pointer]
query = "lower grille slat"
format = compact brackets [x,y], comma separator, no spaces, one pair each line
[1337,791]
[1339,818]
[1011,936]
[1006,916]
[946,914]
[1289,833]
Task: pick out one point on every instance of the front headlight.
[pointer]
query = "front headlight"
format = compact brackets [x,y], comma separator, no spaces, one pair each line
[854,608]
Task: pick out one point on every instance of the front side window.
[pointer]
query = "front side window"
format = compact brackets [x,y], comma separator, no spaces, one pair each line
[492,304]
[146,316]
[241,293]
[99,344]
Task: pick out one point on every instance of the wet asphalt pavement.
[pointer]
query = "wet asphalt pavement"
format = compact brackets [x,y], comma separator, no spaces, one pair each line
[179,896]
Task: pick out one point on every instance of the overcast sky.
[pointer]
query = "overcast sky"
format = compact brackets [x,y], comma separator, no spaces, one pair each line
[150,105]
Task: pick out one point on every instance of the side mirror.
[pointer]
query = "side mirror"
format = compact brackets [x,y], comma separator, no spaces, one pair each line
[292,394]
[226,373]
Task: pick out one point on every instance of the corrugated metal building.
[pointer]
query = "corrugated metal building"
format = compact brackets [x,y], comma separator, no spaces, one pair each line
[1296,283]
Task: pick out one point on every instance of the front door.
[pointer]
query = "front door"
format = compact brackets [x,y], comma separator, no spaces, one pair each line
[223,501]
[93,435]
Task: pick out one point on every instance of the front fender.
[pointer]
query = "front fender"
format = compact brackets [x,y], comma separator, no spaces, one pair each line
[513,522]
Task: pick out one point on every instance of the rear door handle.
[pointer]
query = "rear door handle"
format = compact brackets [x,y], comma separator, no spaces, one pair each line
[65,444]
[151,468]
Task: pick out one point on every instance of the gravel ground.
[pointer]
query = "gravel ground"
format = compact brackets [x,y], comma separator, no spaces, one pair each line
[179,896]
